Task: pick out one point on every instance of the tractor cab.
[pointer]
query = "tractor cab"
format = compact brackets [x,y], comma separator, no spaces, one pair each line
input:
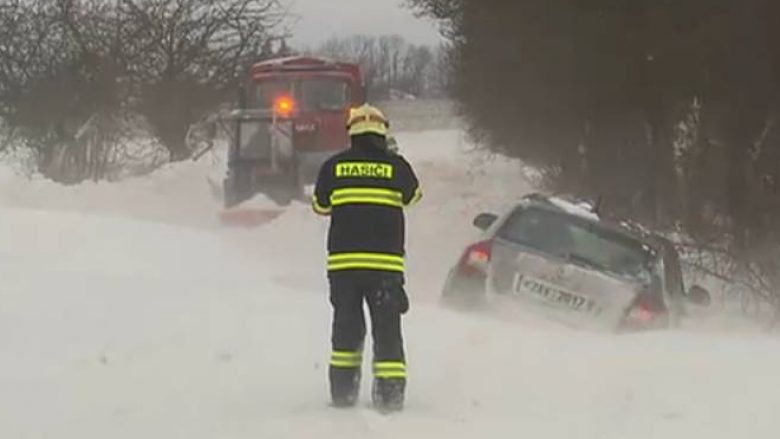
[291,118]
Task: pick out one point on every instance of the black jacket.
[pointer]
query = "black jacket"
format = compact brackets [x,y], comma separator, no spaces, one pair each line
[365,190]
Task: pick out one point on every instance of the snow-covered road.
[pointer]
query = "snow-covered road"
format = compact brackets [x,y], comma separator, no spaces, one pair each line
[127,312]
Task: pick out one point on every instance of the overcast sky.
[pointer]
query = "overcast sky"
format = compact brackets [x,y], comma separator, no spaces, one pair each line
[322,19]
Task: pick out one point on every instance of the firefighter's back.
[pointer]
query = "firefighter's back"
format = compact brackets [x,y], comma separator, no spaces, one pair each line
[368,187]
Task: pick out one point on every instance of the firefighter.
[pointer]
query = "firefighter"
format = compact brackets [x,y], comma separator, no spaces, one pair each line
[364,190]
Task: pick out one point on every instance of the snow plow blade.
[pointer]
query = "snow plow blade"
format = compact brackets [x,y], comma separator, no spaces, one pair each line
[248,217]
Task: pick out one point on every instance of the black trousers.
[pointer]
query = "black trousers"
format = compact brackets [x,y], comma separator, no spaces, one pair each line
[387,302]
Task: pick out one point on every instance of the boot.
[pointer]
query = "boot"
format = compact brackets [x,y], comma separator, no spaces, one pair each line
[388,394]
[344,386]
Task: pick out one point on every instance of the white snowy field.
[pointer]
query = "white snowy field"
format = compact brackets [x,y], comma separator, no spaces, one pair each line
[126,311]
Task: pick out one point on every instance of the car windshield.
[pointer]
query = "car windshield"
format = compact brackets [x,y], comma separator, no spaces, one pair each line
[312,94]
[579,241]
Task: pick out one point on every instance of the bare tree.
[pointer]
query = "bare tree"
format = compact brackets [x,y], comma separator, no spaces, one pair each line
[418,69]
[72,67]
[37,74]
[389,63]
[187,55]
[359,49]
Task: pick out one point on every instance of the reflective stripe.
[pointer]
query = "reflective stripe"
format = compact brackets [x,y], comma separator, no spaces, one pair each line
[368,127]
[322,210]
[367,200]
[346,359]
[347,354]
[389,369]
[386,197]
[375,256]
[345,364]
[386,365]
[391,374]
[365,266]
[368,261]
[366,118]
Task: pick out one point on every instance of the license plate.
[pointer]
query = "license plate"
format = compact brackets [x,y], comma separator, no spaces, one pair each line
[553,295]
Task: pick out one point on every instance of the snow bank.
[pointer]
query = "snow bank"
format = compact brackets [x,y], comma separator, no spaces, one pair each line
[458,182]
[124,329]
[178,193]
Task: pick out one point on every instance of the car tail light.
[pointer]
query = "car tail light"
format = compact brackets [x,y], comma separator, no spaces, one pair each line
[643,312]
[475,259]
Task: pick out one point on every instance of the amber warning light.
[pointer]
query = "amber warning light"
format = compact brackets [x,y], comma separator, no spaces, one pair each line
[284,105]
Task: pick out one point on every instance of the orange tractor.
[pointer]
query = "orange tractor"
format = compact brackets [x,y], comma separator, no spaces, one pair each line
[291,118]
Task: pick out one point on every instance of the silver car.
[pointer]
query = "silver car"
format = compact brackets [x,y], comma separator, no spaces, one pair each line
[561,259]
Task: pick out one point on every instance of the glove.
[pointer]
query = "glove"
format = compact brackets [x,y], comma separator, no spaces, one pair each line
[392,293]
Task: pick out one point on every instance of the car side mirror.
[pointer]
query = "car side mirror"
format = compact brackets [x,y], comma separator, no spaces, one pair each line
[699,296]
[483,221]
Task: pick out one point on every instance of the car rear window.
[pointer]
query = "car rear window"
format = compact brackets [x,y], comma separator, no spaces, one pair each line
[579,241]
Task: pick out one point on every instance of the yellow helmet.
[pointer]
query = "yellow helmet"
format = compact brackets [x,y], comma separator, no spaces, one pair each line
[367,119]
